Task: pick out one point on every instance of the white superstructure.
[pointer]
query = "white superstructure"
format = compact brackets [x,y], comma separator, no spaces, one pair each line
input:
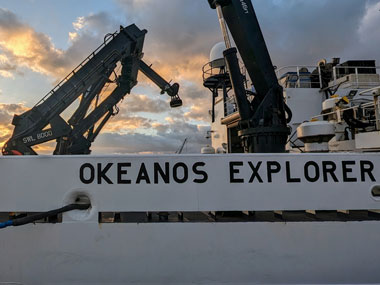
[306,94]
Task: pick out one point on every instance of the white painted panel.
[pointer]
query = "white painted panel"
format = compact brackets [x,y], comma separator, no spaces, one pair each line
[228,253]
[219,131]
[42,183]
[368,140]
[304,103]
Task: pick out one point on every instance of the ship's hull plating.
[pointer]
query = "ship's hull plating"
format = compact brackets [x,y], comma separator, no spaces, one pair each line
[201,253]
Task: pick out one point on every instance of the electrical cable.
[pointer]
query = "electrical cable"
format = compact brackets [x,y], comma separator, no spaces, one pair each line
[39,216]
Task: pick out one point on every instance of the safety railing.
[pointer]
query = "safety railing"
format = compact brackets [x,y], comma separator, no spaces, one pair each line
[230,106]
[375,93]
[209,70]
[362,77]
[339,112]
[217,67]
[107,39]
[308,76]
[369,100]
[300,76]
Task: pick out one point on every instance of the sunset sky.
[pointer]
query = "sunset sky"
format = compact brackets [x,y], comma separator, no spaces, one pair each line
[42,40]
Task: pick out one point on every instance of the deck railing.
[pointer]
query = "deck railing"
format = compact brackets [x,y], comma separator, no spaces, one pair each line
[308,76]
[300,72]
[107,39]
[230,106]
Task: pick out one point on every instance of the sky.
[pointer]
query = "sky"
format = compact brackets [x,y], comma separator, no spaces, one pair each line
[43,40]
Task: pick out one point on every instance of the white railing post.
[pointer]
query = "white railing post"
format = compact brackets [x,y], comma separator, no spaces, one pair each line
[377,111]
[357,77]
[298,77]
[334,74]
[320,77]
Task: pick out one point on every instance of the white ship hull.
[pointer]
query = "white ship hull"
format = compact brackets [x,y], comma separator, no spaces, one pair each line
[200,253]
[82,249]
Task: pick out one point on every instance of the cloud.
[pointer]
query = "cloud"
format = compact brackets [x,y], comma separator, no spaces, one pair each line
[369,25]
[303,32]
[141,103]
[6,68]
[123,124]
[296,31]
[369,33]
[182,33]
[27,48]
[132,143]
[167,140]
[185,27]
[198,113]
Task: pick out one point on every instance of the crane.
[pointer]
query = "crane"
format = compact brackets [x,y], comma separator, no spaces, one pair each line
[44,122]
[263,121]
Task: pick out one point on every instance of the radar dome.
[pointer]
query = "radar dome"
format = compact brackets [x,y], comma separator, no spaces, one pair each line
[217,51]
[216,55]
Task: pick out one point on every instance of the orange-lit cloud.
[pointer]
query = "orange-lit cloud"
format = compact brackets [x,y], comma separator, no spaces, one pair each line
[188,68]
[6,67]
[126,124]
[198,113]
[135,103]
[25,47]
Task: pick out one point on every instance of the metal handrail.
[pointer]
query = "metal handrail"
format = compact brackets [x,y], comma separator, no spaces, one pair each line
[296,68]
[208,70]
[72,73]
[370,90]
[335,68]
[231,101]
[365,105]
